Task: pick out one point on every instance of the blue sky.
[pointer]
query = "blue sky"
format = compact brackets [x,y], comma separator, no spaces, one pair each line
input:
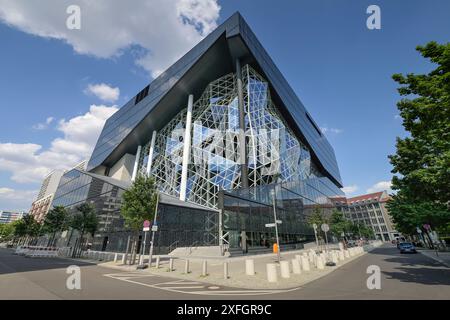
[53,103]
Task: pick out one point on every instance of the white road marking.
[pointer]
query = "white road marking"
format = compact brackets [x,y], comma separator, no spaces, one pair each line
[178,289]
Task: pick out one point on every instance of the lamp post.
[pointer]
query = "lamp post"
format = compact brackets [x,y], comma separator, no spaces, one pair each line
[272,192]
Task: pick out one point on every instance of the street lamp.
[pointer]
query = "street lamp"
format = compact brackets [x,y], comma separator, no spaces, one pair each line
[272,192]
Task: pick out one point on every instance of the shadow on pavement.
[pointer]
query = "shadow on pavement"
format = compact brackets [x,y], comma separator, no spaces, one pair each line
[11,263]
[428,276]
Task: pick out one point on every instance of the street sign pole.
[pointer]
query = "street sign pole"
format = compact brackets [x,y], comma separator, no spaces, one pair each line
[325,228]
[315,234]
[150,256]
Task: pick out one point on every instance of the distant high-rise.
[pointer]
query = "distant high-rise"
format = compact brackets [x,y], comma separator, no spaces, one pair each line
[9,216]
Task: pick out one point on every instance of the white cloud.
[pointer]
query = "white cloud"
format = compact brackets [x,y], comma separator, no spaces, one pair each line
[380,186]
[164,29]
[325,130]
[350,189]
[16,200]
[103,92]
[397,117]
[28,162]
[43,125]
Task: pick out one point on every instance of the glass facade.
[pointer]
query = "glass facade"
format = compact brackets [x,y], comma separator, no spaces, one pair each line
[274,153]
[77,187]
[249,210]
[178,226]
[120,126]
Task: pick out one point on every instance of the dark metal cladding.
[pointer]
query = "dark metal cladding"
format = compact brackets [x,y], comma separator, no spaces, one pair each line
[212,58]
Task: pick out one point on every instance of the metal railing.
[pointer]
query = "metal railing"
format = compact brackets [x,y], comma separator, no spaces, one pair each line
[173,246]
[192,246]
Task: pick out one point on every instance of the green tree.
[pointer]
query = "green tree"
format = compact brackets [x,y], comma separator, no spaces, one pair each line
[27,227]
[338,224]
[318,218]
[361,230]
[408,216]
[138,205]
[84,221]
[422,160]
[6,231]
[56,220]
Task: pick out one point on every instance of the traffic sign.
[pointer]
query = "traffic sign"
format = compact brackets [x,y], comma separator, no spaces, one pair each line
[270,225]
[427,226]
[325,227]
[146,224]
[279,221]
[418,230]
[154,228]
[146,229]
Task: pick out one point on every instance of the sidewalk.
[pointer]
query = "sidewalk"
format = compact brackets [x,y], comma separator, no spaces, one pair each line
[442,257]
[236,270]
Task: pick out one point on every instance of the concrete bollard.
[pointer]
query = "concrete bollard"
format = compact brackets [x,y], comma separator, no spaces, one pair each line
[204,268]
[115,257]
[123,258]
[284,267]
[157,262]
[272,272]
[225,270]
[346,254]
[341,255]
[296,268]
[352,252]
[334,257]
[305,264]
[141,260]
[171,264]
[186,267]
[312,256]
[320,263]
[250,267]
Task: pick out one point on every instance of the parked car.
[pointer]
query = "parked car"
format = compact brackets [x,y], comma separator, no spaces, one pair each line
[407,247]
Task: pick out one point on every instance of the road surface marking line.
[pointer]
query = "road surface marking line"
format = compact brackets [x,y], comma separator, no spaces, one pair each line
[192,287]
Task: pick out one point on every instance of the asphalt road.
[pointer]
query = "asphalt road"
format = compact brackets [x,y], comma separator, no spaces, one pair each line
[412,276]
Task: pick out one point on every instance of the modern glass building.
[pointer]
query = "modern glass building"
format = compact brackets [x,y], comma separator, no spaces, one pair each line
[226,139]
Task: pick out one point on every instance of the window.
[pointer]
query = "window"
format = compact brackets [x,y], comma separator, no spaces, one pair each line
[141,95]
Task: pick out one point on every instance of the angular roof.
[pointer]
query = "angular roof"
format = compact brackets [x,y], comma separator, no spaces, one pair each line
[210,59]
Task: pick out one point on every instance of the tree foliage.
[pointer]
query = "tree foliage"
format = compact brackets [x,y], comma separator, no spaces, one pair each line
[55,220]
[338,224]
[422,159]
[407,215]
[6,231]
[139,202]
[361,230]
[85,220]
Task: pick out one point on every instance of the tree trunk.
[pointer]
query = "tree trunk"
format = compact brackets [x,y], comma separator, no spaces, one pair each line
[127,249]
[133,255]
